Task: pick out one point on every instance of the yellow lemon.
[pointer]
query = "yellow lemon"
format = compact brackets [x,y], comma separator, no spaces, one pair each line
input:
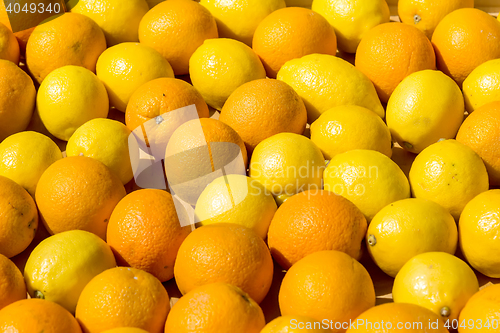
[367,178]
[349,127]
[24,156]
[119,20]
[125,67]
[482,86]
[325,81]
[425,107]
[61,266]
[221,65]
[287,164]
[409,227]
[479,227]
[105,140]
[9,47]
[236,199]
[437,281]
[295,324]
[352,18]
[238,19]
[69,97]
[450,174]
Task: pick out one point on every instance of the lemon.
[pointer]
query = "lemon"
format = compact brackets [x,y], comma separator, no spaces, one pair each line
[425,107]
[69,97]
[482,86]
[479,227]
[61,265]
[125,67]
[295,324]
[409,227]
[238,19]
[450,174]
[352,19]
[437,281]
[9,47]
[287,164]
[236,199]
[324,81]
[367,178]
[105,140]
[221,65]
[349,127]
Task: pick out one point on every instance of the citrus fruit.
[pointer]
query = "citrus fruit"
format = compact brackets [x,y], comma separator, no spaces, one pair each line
[266,101]
[463,40]
[9,47]
[126,66]
[200,310]
[286,164]
[437,281]
[238,19]
[409,227]
[226,64]
[403,158]
[236,199]
[291,33]
[37,315]
[118,20]
[24,156]
[123,297]
[125,330]
[482,86]
[12,284]
[312,221]
[176,28]
[78,192]
[448,173]
[295,324]
[478,227]
[425,107]
[349,127]
[352,19]
[145,232]
[390,52]
[68,98]
[327,285]
[224,252]
[480,131]
[324,81]
[18,218]
[482,310]
[367,178]
[60,266]
[18,93]
[68,39]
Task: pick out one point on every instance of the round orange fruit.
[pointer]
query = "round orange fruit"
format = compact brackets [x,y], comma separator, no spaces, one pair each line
[482,308]
[12,285]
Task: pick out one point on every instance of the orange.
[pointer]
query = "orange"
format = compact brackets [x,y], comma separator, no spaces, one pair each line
[327,285]
[69,39]
[262,108]
[390,52]
[215,308]
[312,221]
[37,315]
[463,40]
[145,233]
[18,218]
[12,286]
[481,132]
[17,93]
[482,308]
[291,33]
[123,297]
[78,192]
[125,330]
[224,252]
[9,47]
[176,28]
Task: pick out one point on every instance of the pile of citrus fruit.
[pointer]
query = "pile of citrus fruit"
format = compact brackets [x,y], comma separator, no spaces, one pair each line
[246,166]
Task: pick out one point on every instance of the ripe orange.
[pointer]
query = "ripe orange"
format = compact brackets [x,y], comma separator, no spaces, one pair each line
[262,108]
[69,39]
[463,40]
[78,192]
[291,33]
[9,47]
[224,252]
[483,307]
[390,52]
[123,297]
[176,28]
[12,285]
